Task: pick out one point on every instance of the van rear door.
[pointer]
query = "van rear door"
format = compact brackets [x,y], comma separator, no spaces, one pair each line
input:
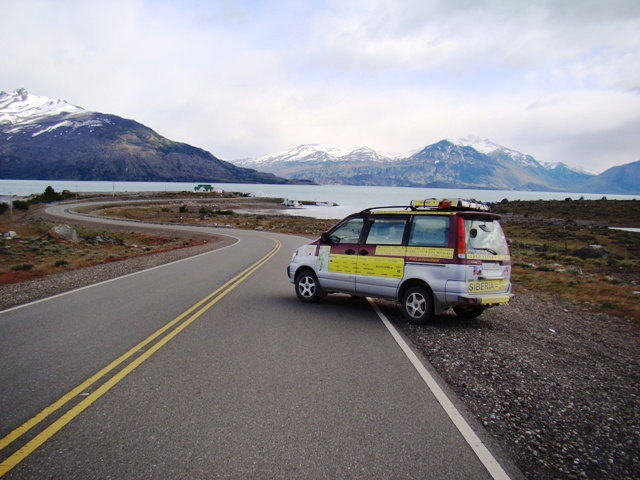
[487,246]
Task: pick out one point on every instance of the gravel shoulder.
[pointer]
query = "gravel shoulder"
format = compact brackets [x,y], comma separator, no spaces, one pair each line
[556,384]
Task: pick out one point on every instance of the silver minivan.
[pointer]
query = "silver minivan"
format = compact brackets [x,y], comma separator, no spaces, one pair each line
[429,256]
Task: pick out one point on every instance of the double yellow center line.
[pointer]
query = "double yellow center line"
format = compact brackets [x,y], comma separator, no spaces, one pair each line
[160,337]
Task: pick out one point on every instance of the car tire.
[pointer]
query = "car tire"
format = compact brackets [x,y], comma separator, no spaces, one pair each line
[307,287]
[467,312]
[417,305]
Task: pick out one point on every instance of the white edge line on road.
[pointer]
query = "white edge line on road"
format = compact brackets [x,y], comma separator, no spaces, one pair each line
[481,451]
[118,278]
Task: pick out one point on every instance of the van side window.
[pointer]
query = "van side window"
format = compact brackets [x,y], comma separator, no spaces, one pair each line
[348,232]
[386,231]
[429,231]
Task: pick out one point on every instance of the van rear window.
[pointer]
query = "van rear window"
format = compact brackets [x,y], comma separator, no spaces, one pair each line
[485,236]
[429,231]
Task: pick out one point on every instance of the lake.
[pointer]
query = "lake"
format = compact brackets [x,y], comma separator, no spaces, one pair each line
[350,199]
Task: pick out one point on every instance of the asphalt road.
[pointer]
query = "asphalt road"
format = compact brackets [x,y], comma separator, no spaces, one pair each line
[250,383]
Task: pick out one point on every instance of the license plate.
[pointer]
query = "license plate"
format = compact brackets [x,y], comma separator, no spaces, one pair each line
[491,267]
[488,286]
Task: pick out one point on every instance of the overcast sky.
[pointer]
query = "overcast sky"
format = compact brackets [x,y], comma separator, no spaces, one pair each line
[557,79]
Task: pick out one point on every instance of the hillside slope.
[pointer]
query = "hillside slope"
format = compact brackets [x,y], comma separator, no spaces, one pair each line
[49,139]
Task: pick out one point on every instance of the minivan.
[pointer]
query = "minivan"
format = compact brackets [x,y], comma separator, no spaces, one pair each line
[429,256]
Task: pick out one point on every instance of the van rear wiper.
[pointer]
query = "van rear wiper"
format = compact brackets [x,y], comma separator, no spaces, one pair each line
[490,250]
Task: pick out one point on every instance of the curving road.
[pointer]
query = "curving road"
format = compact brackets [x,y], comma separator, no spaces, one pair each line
[211,368]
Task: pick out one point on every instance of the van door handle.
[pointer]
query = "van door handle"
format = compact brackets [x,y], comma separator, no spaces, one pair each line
[349,252]
[364,252]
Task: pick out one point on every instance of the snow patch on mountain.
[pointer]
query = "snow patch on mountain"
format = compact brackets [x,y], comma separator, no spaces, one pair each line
[317,153]
[21,109]
[556,165]
[481,145]
[72,125]
[488,147]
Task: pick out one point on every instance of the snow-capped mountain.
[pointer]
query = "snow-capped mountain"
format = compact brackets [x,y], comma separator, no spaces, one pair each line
[490,148]
[527,161]
[47,139]
[21,109]
[468,162]
[314,153]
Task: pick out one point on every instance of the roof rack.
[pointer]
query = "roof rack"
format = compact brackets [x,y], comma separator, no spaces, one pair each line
[450,204]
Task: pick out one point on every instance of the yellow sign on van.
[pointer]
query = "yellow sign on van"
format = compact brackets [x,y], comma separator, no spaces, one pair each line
[415,252]
[381,267]
[368,266]
[343,264]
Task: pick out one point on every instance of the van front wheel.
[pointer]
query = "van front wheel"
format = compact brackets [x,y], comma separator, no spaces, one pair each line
[307,287]
[417,305]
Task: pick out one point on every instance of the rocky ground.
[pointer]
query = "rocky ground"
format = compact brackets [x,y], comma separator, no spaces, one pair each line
[555,382]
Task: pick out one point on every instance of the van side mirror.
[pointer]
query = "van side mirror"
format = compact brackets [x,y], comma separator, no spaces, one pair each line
[325,238]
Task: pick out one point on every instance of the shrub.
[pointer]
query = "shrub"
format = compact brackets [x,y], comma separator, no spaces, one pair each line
[61,263]
[545,268]
[526,265]
[22,267]
[224,212]
[574,271]
[182,209]
[20,205]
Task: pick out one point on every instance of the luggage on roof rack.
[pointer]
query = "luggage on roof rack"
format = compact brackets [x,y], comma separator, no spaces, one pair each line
[449,203]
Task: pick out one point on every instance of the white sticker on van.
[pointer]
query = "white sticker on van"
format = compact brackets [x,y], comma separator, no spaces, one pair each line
[323,258]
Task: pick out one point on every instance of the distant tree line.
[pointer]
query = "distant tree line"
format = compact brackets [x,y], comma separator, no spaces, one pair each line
[49,195]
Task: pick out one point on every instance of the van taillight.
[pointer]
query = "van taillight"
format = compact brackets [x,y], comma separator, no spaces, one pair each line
[462,244]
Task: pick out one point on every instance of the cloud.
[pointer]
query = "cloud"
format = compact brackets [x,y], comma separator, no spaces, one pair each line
[244,78]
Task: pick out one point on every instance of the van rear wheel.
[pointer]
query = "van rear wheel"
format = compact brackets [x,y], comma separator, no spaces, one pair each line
[417,305]
[468,312]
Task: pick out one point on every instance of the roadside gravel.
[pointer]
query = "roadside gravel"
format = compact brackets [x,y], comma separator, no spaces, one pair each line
[556,384]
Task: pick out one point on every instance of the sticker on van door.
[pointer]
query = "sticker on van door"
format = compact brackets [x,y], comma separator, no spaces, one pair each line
[381,267]
[339,263]
[323,258]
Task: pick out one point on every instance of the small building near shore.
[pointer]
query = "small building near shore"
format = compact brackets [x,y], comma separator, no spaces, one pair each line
[205,187]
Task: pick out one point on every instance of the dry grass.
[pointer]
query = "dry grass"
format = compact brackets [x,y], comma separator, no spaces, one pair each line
[223,214]
[546,237]
[34,253]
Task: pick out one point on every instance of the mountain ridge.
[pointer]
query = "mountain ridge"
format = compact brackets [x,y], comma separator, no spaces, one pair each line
[469,162]
[45,139]
[42,138]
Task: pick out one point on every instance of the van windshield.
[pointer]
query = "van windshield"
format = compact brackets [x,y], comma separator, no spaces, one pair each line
[486,236]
